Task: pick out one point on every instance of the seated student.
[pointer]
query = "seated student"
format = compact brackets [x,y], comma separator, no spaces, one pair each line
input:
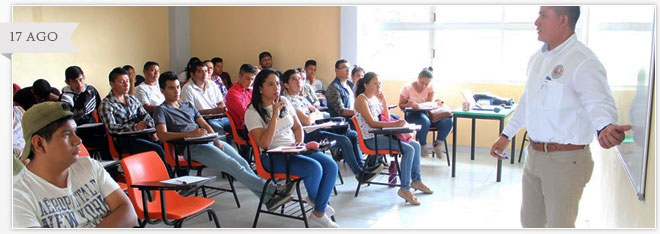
[339,94]
[39,92]
[58,189]
[218,81]
[148,93]
[369,105]
[18,143]
[121,112]
[185,75]
[206,97]
[272,122]
[219,73]
[239,97]
[308,90]
[420,91]
[84,100]
[356,74]
[133,77]
[178,119]
[310,69]
[347,140]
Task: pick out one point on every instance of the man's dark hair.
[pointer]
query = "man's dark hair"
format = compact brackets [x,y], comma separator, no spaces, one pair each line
[216,60]
[148,64]
[73,72]
[207,61]
[247,68]
[287,75]
[165,77]
[194,66]
[310,62]
[426,72]
[116,72]
[356,69]
[41,88]
[47,132]
[264,54]
[573,13]
[340,61]
[126,67]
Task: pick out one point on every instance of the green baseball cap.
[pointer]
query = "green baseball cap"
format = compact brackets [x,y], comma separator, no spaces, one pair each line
[38,117]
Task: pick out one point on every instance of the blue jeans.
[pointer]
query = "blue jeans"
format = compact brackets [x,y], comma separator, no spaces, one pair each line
[231,162]
[318,171]
[444,126]
[348,143]
[220,125]
[410,165]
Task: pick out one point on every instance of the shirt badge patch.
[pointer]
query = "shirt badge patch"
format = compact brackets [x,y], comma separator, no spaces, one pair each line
[558,71]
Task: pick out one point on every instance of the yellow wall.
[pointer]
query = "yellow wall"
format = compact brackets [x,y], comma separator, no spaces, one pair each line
[106,37]
[291,34]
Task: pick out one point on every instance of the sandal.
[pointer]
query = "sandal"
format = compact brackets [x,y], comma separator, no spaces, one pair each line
[418,185]
[408,196]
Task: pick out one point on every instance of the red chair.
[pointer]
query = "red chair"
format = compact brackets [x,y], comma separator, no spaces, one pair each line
[240,142]
[148,166]
[263,173]
[178,163]
[373,153]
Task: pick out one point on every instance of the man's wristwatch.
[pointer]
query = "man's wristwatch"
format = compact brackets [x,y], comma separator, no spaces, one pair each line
[505,136]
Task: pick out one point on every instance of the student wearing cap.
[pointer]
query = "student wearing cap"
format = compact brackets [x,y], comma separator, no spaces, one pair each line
[565,103]
[57,189]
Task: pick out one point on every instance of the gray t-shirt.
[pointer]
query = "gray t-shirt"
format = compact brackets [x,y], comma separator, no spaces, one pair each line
[177,120]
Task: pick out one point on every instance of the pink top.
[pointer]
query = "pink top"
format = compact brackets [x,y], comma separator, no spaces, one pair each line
[409,92]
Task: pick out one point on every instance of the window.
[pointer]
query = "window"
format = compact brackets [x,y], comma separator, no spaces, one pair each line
[493,43]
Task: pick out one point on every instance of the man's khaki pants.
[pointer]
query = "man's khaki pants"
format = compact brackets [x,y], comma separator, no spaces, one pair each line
[552,185]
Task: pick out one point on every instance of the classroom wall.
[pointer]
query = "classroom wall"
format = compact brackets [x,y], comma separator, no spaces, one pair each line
[106,37]
[291,34]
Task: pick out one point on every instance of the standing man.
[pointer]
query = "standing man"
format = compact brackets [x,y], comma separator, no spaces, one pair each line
[566,101]
[339,95]
[148,93]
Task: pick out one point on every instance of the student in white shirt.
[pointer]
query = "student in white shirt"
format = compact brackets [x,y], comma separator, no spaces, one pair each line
[370,104]
[272,122]
[566,102]
[206,97]
[148,93]
[57,189]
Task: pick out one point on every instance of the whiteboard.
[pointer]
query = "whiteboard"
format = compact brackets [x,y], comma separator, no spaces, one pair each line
[634,150]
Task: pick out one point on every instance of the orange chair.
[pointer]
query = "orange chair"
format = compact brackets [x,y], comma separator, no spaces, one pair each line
[263,173]
[148,166]
[181,163]
[373,153]
[240,142]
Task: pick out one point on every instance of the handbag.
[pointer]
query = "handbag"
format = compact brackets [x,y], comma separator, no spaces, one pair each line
[405,137]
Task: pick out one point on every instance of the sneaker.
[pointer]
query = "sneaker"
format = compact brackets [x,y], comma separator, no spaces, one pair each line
[329,211]
[426,150]
[285,189]
[439,149]
[277,200]
[369,174]
[322,222]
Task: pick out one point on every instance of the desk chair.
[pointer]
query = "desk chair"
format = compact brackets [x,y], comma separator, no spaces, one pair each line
[271,176]
[373,153]
[178,163]
[434,131]
[167,205]
[240,143]
[85,153]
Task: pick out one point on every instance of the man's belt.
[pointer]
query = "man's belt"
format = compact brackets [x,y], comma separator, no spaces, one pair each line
[550,147]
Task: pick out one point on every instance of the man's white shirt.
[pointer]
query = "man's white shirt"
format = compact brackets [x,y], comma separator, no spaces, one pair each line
[566,99]
[202,99]
[149,94]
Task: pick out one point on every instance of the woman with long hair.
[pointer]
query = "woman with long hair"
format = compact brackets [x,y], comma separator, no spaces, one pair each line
[272,122]
[370,104]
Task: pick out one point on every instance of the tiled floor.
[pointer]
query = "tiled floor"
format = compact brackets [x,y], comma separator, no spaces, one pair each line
[471,200]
